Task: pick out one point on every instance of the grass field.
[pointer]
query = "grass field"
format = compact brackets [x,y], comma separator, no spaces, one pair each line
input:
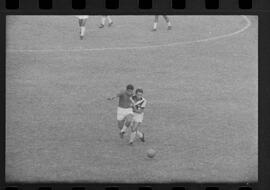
[200,80]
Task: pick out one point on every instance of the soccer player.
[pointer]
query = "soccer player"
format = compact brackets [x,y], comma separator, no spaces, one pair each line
[138,104]
[124,109]
[156,22]
[103,19]
[82,23]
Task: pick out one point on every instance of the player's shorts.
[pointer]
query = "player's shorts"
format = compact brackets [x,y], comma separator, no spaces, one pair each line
[82,17]
[123,112]
[138,117]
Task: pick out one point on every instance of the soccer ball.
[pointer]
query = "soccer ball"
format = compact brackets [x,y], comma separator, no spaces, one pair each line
[151,153]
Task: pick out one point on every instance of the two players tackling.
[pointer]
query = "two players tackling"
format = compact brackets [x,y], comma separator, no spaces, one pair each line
[130,112]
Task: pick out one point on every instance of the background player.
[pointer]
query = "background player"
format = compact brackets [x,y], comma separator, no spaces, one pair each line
[103,19]
[124,109]
[82,23]
[166,19]
[138,104]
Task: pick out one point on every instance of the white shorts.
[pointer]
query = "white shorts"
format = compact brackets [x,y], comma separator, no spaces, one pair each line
[123,112]
[138,117]
[82,17]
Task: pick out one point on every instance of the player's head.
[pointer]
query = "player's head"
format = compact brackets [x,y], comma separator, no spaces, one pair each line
[139,93]
[129,89]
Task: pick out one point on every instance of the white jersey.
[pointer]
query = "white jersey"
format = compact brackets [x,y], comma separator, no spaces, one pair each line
[138,104]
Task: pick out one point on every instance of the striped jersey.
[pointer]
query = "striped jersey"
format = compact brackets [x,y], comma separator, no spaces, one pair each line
[138,103]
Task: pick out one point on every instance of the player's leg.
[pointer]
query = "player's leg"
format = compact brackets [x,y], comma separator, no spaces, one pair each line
[102,24]
[139,120]
[121,125]
[168,22]
[139,133]
[127,123]
[110,22]
[125,115]
[133,132]
[155,23]
[120,119]
[82,23]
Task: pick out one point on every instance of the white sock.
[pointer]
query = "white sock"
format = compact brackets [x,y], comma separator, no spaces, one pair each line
[103,20]
[82,30]
[155,25]
[109,19]
[132,137]
[139,134]
[124,129]
[169,24]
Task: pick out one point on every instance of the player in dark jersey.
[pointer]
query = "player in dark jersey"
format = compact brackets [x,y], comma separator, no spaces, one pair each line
[124,109]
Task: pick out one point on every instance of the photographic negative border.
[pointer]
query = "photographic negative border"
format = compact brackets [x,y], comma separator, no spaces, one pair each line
[261,8]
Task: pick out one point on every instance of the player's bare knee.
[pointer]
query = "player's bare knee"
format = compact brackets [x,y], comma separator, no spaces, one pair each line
[133,129]
[128,124]
[128,119]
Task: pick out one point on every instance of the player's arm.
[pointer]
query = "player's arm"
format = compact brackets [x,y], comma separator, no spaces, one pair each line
[141,110]
[117,96]
[132,103]
[138,110]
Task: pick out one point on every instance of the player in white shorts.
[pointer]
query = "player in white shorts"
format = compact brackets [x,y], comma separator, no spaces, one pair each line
[103,19]
[138,104]
[82,23]
[124,109]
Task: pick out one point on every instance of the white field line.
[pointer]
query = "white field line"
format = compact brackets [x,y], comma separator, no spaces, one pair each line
[248,24]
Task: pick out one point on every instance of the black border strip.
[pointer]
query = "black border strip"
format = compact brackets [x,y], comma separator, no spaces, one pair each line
[124,5]
[2,97]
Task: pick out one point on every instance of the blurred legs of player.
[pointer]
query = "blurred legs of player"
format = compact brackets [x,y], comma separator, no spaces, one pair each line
[120,124]
[82,23]
[135,132]
[103,20]
[166,18]
[123,118]
[127,121]
[136,122]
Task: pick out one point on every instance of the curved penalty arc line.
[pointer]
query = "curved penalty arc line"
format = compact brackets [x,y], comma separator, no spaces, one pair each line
[248,24]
